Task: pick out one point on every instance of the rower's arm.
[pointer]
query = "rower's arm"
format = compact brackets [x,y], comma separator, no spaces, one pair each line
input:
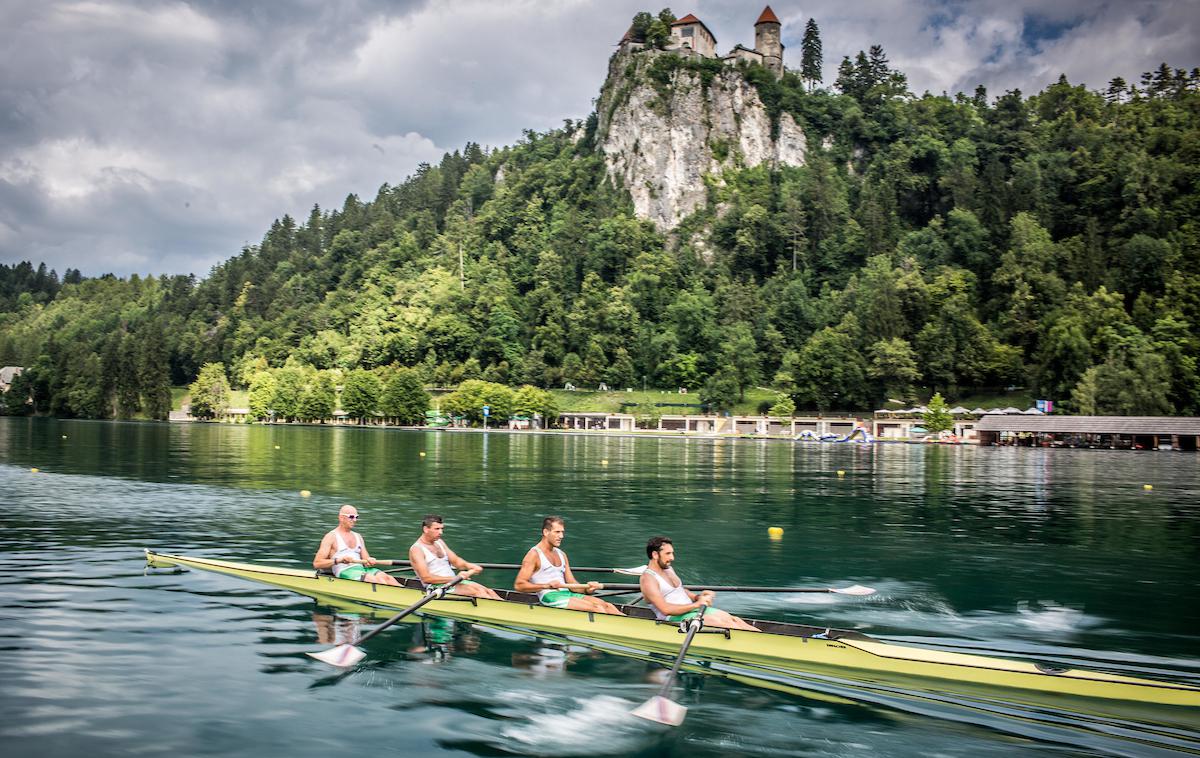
[324,557]
[528,565]
[462,564]
[653,594]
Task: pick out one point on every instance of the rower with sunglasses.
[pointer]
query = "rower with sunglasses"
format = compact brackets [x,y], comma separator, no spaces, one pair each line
[344,553]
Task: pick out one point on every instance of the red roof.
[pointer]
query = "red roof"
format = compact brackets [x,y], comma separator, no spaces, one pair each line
[691,19]
[768,17]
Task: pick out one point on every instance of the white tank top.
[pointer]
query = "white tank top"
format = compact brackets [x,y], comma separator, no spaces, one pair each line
[671,593]
[438,565]
[345,551]
[547,572]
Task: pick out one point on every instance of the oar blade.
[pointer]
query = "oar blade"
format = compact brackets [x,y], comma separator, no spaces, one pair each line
[342,656]
[661,710]
[857,589]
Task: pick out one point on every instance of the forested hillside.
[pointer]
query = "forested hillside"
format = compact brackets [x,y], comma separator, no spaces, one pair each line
[929,242]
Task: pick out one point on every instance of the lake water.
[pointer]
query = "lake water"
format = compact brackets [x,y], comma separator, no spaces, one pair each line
[1049,555]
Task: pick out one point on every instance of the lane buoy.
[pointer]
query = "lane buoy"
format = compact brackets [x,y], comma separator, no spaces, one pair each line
[33,471]
[64,436]
[1147,486]
[775,532]
[841,472]
[604,462]
[422,453]
[277,447]
[305,493]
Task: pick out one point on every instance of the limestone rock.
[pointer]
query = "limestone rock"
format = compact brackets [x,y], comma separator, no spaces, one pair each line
[662,142]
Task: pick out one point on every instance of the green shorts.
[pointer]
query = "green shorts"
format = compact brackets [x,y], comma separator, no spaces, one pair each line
[559,598]
[356,572]
[689,615]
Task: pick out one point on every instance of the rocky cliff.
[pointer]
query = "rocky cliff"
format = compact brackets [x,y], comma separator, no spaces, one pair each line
[665,124]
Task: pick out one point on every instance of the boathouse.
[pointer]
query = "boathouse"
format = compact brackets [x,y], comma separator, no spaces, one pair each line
[1110,432]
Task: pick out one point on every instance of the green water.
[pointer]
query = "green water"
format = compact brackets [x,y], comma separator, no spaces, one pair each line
[1055,555]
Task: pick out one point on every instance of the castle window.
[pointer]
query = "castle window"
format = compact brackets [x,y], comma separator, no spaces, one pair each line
[686,31]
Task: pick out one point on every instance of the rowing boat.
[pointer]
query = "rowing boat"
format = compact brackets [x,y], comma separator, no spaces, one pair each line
[778,647]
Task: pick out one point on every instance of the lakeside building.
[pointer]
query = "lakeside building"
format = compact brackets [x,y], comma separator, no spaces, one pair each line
[1113,432]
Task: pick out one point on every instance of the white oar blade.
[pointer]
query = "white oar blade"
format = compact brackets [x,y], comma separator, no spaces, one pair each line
[857,589]
[342,656]
[661,710]
[635,571]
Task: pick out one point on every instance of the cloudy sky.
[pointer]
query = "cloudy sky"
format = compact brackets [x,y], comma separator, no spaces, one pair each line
[161,137]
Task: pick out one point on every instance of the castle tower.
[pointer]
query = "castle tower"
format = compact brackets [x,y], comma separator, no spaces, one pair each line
[768,40]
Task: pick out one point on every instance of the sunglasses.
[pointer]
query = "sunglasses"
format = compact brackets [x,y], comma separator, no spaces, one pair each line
[352,517]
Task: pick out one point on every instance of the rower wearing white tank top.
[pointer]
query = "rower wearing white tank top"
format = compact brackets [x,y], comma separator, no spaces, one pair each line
[344,553]
[546,571]
[436,564]
[671,601]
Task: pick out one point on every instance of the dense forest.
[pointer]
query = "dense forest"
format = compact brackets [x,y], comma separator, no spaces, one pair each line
[931,242]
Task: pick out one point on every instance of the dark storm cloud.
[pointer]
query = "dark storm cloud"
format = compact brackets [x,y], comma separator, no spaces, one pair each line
[162,136]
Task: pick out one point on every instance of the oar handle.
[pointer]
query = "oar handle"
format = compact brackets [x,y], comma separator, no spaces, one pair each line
[435,593]
[693,627]
[517,567]
[721,588]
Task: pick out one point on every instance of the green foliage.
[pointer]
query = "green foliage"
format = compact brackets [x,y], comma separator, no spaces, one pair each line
[262,395]
[468,401]
[953,242]
[319,398]
[210,392]
[720,391]
[404,397]
[529,400]
[784,407]
[360,394]
[937,417]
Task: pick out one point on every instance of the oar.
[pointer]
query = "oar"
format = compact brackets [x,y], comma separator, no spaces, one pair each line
[857,589]
[635,571]
[347,655]
[660,708]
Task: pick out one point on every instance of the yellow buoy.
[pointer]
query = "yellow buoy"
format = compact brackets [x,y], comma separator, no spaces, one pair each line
[841,472]
[305,493]
[775,532]
[604,462]
[1147,486]
[277,447]
[422,453]
[64,436]
[33,471]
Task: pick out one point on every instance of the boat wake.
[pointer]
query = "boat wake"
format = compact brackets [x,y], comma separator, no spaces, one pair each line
[554,731]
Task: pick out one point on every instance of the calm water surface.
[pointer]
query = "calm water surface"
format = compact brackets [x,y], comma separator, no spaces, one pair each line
[1057,555]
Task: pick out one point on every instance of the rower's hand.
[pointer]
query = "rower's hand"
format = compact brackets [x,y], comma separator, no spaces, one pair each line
[368,561]
[474,568]
[554,584]
[593,586]
[706,598]
[465,574]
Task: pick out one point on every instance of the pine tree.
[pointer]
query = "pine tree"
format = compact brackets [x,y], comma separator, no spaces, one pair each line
[810,59]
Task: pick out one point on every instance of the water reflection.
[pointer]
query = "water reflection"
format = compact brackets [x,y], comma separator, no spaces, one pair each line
[1048,555]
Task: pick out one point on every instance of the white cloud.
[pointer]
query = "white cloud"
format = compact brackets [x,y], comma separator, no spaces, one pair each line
[151,136]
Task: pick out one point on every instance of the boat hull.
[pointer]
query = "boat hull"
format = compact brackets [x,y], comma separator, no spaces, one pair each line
[775,652]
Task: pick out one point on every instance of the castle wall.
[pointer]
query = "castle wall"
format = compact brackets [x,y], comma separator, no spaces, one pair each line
[696,37]
[767,40]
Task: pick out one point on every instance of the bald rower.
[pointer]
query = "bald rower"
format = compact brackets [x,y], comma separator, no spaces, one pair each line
[344,552]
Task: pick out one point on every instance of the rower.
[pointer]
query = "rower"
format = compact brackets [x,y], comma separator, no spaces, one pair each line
[671,601]
[434,563]
[344,552]
[546,571]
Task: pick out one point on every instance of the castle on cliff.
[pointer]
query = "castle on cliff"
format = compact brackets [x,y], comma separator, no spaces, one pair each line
[689,36]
